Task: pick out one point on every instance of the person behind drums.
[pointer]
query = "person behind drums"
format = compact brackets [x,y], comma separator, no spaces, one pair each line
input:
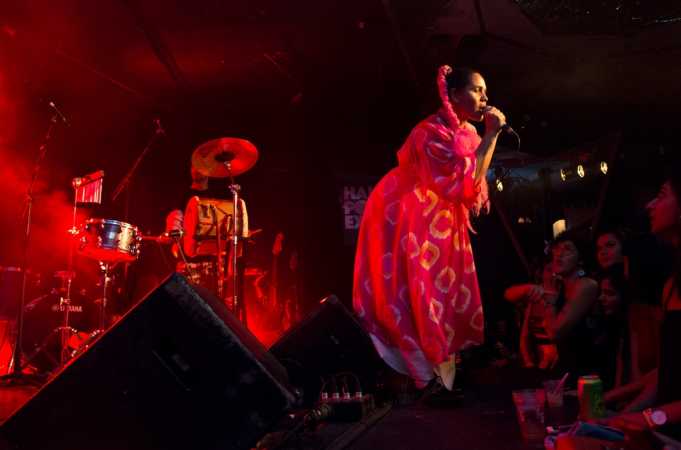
[203,267]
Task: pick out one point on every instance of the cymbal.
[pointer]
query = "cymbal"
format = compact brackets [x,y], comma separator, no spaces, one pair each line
[210,158]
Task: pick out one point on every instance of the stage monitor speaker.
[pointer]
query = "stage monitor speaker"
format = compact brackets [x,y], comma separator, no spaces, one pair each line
[178,371]
[327,341]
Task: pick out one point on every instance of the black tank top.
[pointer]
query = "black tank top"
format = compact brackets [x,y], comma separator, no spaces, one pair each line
[669,371]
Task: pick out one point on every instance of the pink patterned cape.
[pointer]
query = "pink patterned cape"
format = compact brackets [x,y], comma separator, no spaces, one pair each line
[415,286]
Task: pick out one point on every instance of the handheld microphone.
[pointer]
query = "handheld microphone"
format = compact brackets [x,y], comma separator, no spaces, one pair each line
[60,114]
[158,122]
[507,128]
[504,126]
[175,233]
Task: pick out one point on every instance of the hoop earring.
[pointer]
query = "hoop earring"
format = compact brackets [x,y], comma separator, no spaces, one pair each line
[581,272]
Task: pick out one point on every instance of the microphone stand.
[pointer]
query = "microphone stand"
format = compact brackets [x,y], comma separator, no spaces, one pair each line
[126,183]
[17,368]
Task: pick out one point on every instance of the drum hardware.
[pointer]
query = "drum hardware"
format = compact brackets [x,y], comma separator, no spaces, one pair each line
[212,158]
[222,158]
[126,183]
[109,242]
[17,367]
[84,344]
[87,189]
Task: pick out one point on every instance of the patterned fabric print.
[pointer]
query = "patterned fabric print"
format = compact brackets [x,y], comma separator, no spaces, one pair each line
[415,286]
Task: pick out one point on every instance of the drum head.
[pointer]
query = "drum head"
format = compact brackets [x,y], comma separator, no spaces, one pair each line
[46,314]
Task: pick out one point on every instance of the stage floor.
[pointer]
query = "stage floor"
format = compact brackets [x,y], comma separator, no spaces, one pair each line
[484,417]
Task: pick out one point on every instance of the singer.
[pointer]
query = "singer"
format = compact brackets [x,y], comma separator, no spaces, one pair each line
[415,287]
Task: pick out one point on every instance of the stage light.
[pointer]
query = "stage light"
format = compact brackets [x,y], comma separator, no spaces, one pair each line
[580,170]
[603,166]
[500,185]
[567,173]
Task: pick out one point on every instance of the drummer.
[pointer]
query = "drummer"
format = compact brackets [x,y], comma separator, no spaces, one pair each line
[201,266]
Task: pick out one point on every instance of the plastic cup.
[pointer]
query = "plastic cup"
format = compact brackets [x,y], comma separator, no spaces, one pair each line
[557,398]
[529,404]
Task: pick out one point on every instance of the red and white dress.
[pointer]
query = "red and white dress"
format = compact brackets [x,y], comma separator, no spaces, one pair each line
[415,287]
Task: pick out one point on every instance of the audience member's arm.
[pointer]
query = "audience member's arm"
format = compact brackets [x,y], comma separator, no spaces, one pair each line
[524,293]
[673,411]
[529,358]
[630,391]
[559,324]
[646,399]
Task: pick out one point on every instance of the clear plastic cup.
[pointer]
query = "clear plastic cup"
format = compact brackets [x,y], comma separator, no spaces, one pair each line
[557,398]
[529,404]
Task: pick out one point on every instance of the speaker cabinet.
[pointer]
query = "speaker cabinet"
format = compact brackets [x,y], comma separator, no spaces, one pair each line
[327,341]
[178,371]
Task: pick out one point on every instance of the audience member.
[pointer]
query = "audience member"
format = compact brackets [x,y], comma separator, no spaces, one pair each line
[571,305]
[535,347]
[613,346]
[609,247]
[660,389]
[648,263]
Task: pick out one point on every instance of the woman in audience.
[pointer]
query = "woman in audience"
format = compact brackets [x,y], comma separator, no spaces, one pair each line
[609,247]
[648,263]
[660,389]
[535,346]
[571,305]
[613,349]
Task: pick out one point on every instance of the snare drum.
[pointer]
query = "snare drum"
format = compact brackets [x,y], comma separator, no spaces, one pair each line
[46,314]
[201,220]
[109,240]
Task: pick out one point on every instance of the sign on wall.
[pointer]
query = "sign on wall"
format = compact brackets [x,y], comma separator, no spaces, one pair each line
[353,192]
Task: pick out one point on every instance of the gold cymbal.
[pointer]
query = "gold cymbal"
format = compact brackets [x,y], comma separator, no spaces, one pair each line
[210,158]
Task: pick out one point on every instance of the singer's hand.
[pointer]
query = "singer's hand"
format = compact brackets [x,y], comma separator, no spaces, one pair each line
[494,119]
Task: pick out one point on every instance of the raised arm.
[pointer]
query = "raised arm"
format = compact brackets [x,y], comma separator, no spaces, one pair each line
[524,292]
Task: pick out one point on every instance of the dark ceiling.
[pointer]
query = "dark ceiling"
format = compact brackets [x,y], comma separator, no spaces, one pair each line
[545,59]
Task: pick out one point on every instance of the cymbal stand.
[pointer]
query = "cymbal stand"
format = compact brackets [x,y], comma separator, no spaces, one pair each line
[235,189]
[17,367]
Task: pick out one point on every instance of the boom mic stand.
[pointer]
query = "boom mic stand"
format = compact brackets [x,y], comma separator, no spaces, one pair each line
[17,368]
[126,183]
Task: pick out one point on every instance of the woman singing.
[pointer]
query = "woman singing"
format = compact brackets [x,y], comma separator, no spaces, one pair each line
[415,286]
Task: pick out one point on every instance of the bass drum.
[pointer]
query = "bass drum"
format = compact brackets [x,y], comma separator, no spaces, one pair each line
[46,314]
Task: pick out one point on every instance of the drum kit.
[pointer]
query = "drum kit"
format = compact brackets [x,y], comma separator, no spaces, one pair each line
[210,230]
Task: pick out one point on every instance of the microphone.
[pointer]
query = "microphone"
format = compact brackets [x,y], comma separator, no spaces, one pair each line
[175,233]
[507,128]
[504,126]
[60,114]
[158,122]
